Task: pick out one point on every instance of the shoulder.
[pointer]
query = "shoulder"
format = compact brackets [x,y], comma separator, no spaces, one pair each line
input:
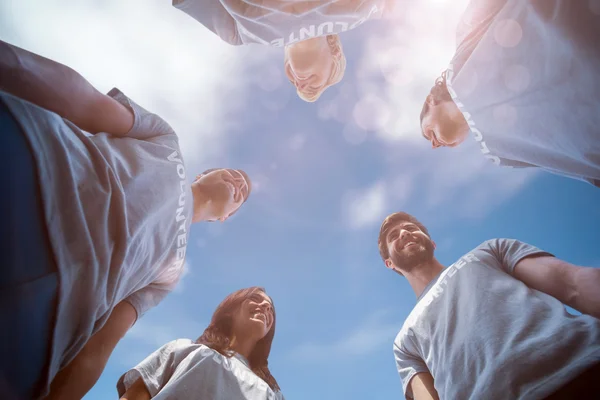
[185,347]
[178,344]
[502,244]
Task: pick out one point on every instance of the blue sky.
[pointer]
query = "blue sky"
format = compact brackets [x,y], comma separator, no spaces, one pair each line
[325,176]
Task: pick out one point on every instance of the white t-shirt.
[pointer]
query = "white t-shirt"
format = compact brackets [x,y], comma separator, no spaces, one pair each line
[183,369]
[118,212]
[281,22]
[525,76]
[483,334]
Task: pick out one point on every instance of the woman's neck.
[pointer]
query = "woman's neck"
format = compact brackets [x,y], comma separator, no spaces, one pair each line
[243,346]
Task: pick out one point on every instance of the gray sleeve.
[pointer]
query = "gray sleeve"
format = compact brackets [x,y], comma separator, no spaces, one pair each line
[155,370]
[510,251]
[148,297]
[146,125]
[213,15]
[408,366]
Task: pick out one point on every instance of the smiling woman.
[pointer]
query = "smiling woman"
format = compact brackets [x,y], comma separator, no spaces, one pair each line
[228,362]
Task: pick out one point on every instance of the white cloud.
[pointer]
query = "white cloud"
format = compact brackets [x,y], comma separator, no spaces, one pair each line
[374,333]
[409,56]
[464,182]
[363,208]
[159,56]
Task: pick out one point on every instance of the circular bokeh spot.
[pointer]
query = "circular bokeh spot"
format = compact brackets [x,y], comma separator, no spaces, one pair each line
[297,142]
[517,78]
[354,134]
[505,115]
[371,113]
[394,67]
[508,33]
[270,79]
[594,6]
[468,84]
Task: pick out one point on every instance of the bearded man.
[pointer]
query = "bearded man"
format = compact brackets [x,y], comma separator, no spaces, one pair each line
[493,325]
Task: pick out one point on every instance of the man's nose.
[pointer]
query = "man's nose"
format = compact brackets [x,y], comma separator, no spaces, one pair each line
[404,233]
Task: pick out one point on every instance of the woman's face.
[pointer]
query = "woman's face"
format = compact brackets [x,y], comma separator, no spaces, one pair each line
[255,316]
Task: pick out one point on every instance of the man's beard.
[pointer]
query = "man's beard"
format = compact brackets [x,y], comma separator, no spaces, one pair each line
[418,254]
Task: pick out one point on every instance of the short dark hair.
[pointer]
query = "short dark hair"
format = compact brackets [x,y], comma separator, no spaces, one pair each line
[440,94]
[246,177]
[390,221]
[244,174]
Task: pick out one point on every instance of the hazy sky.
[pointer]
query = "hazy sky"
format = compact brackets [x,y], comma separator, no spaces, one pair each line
[325,174]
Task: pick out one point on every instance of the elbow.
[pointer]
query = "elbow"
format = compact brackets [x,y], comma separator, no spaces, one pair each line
[585,296]
[10,71]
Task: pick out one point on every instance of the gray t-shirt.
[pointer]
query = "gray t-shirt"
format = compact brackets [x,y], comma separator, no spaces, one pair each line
[281,22]
[525,76]
[483,334]
[118,212]
[182,369]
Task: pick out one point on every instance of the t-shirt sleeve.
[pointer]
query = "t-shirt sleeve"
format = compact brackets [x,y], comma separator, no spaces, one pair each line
[408,366]
[213,15]
[510,251]
[148,297]
[155,370]
[146,125]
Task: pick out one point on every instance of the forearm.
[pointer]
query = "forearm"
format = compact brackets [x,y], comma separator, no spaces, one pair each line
[77,378]
[587,284]
[57,88]
[137,391]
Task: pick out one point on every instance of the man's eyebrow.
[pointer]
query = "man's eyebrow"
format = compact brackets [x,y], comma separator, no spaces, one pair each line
[402,225]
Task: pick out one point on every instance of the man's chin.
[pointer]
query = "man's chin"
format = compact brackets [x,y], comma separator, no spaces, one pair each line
[408,260]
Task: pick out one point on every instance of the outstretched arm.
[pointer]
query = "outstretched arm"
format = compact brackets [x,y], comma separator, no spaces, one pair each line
[81,374]
[60,89]
[575,286]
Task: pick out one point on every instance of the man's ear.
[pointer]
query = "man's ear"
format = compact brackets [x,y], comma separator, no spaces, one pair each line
[389,264]
[434,245]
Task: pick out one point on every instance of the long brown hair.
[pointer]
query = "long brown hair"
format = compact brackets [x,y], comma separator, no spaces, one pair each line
[218,335]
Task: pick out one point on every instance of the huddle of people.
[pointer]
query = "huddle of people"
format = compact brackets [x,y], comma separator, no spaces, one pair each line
[99,210]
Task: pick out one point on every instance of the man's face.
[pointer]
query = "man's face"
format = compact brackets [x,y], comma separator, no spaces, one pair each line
[443,124]
[408,247]
[226,190]
[309,65]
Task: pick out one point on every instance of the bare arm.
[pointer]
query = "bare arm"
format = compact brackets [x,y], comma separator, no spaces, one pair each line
[60,89]
[422,387]
[137,391]
[77,378]
[575,286]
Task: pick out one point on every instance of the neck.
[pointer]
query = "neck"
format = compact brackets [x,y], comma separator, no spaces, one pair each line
[201,205]
[420,276]
[243,346]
